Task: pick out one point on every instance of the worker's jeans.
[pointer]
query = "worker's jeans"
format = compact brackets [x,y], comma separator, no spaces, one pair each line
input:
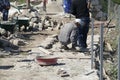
[5,14]
[83,31]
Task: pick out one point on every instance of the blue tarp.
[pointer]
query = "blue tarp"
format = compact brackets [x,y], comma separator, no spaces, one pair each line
[67,5]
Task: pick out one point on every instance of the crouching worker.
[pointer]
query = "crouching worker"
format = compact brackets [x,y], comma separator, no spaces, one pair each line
[68,34]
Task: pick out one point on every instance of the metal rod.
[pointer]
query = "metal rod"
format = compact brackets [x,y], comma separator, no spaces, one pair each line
[92,43]
[101,52]
[109,9]
[119,58]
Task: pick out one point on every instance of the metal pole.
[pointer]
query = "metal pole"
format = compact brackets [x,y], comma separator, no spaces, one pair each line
[108,10]
[92,43]
[119,58]
[101,52]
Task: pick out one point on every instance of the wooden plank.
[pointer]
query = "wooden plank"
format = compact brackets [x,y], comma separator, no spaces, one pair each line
[73,57]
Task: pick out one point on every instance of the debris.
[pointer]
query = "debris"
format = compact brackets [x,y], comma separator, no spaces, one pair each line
[62,73]
[90,72]
[109,47]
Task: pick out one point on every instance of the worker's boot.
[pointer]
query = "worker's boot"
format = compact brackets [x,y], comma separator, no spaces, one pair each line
[73,47]
[64,47]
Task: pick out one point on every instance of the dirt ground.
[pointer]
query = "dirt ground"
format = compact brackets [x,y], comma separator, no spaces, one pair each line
[7,63]
[24,66]
[36,38]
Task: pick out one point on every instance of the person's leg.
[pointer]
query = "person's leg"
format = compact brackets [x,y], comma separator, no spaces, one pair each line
[80,36]
[83,31]
[5,15]
[1,9]
[44,6]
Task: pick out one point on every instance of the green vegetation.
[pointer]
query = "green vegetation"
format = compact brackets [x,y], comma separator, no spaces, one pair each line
[116,1]
[20,1]
[104,4]
[113,73]
[112,38]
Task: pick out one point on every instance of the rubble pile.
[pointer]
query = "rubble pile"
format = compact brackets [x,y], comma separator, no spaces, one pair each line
[27,20]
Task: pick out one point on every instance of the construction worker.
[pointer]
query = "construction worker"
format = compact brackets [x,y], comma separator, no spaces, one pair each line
[80,9]
[4,8]
[68,34]
[44,5]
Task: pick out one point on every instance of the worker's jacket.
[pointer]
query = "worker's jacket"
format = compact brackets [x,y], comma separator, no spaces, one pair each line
[79,8]
[68,34]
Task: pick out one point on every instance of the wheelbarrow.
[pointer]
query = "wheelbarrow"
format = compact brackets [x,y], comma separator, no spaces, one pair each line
[22,21]
[35,2]
[8,26]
